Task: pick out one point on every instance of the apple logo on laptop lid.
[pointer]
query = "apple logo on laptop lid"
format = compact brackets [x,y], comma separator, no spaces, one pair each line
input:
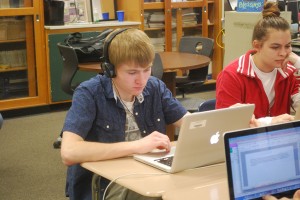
[214,139]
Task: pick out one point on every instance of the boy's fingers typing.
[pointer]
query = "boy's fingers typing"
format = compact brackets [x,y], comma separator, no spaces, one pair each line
[155,140]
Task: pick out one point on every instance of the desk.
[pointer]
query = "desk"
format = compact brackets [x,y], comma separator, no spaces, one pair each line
[172,61]
[216,190]
[152,182]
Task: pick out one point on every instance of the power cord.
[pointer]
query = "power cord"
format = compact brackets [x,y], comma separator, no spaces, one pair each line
[126,175]
[221,32]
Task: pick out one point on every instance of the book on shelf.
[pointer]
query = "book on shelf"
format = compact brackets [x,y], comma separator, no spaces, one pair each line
[156,25]
[189,17]
[295,42]
[157,17]
[190,23]
[158,41]
[11,3]
[4,4]
[159,48]
[13,58]
[19,80]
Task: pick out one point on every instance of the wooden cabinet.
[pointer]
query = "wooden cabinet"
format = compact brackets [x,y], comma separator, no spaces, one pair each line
[22,73]
[208,23]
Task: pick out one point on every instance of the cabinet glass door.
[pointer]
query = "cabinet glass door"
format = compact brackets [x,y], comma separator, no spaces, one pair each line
[154,23]
[20,31]
[17,66]
[16,3]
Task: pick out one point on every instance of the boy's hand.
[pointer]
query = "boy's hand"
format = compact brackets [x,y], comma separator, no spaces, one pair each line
[155,140]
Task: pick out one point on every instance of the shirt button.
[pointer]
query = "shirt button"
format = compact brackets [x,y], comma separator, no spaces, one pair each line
[107,126]
[136,113]
[158,120]
[144,131]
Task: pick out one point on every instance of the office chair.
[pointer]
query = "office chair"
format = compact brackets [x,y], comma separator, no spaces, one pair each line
[207,105]
[70,67]
[195,77]
[157,69]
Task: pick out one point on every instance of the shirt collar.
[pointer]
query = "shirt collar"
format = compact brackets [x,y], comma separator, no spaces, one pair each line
[139,97]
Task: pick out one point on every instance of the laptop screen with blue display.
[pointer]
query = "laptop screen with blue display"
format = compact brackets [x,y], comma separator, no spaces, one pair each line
[263,161]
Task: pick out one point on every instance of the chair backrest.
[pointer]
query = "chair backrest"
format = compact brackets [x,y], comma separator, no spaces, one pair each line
[207,105]
[197,45]
[70,67]
[157,69]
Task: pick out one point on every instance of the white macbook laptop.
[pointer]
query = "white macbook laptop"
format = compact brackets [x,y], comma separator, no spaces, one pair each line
[200,140]
[263,161]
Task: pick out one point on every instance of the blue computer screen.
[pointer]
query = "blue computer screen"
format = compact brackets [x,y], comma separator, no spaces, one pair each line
[265,163]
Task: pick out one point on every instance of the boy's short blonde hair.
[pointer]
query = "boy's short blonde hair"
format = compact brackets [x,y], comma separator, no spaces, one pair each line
[131,46]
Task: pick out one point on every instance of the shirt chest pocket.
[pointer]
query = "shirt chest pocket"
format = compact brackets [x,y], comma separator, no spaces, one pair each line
[155,119]
[109,130]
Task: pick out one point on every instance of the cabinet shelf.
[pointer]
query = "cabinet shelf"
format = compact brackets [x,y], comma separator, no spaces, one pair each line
[154,5]
[154,29]
[12,41]
[187,4]
[12,69]
[192,26]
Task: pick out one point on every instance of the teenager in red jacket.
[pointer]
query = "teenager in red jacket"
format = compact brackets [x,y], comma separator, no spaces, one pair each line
[264,75]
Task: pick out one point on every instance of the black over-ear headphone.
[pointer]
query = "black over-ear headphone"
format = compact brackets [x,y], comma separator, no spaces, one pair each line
[108,68]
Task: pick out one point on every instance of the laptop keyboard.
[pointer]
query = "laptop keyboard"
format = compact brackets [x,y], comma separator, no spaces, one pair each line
[166,160]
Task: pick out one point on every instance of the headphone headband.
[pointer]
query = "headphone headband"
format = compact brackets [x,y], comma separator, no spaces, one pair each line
[107,42]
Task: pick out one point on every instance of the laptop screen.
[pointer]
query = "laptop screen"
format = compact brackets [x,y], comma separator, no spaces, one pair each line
[263,161]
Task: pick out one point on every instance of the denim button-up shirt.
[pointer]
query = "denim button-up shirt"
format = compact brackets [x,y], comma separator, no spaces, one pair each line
[95,115]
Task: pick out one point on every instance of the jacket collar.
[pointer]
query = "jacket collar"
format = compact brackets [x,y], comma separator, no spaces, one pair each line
[245,67]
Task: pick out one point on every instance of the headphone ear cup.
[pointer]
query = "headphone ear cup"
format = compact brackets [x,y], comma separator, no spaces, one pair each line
[108,69]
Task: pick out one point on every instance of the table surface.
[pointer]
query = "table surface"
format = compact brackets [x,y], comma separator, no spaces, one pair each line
[215,190]
[171,61]
[153,182]
[183,61]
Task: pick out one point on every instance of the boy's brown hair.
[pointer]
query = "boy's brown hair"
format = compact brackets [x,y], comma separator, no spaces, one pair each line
[131,46]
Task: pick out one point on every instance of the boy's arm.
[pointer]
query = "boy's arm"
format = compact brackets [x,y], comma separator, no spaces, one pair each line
[75,150]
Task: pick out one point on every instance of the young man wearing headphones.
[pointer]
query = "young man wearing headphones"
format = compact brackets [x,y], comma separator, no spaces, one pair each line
[123,112]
